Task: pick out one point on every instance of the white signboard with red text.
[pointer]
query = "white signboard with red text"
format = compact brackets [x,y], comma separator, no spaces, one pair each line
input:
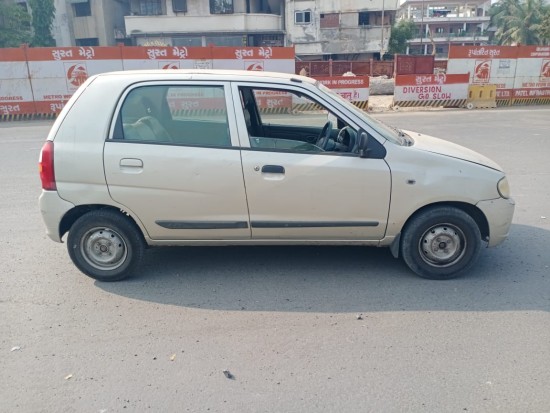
[154,57]
[352,88]
[519,72]
[56,73]
[15,87]
[41,80]
[266,59]
[275,59]
[431,90]
[533,73]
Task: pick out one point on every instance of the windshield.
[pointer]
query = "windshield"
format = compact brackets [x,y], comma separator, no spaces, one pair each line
[389,132]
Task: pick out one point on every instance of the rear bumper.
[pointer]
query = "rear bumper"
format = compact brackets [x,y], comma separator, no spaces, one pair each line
[53,209]
[499,213]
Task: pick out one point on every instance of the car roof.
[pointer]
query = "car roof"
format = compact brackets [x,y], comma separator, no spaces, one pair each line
[211,74]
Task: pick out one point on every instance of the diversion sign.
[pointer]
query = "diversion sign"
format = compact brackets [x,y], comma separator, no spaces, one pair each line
[431,90]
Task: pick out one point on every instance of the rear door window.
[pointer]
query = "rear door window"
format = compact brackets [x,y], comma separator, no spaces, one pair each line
[182,115]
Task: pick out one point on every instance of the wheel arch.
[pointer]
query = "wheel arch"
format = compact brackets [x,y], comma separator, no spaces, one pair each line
[71,216]
[477,215]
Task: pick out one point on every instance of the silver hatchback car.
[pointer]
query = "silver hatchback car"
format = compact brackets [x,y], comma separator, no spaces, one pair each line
[194,157]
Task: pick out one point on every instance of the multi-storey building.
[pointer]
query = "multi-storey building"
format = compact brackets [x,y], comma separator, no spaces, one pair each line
[340,29]
[204,23]
[90,22]
[87,22]
[318,29]
[441,23]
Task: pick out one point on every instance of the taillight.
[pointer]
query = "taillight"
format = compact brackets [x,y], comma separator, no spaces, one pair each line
[45,167]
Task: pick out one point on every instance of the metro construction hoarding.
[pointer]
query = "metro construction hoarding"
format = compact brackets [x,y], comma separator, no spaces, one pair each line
[521,73]
[352,88]
[41,80]
[431,90]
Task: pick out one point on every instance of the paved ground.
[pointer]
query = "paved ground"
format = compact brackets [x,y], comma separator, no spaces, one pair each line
[283,320]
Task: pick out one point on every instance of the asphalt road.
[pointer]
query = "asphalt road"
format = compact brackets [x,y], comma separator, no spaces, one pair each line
[283,320]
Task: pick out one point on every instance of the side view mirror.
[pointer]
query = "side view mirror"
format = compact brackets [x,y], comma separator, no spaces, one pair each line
[363,143]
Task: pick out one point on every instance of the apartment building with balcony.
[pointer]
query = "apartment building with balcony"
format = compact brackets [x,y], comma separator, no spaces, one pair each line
[340,29]
[441,23]
[318,29]
[90,22]
[206,22]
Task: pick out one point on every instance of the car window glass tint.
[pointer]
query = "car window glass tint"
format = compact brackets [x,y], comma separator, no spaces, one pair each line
[278,119]
[142,116]
[199,115]
[181,115]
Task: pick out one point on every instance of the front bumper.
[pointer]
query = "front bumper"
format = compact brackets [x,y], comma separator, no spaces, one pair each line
[53,208]
[499,213]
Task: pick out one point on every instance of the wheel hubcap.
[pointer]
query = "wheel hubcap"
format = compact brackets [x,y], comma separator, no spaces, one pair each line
[103,248]
[442,245]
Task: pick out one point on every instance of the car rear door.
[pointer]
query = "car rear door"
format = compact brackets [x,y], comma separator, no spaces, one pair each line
[174,163]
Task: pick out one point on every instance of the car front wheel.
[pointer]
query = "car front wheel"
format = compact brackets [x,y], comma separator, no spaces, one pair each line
[440,242]
[105,245]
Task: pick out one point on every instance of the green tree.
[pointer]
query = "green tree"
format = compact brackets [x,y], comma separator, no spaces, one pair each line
[401,32]
[43,13]
[15,25]
[544,30]
[518,21]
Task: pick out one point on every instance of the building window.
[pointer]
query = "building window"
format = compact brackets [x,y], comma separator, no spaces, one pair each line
[187,41]
[221,6]
[302,17]
[179,6]
[439,30]
[90,41]
[364,18]
[82,9]
[231,41]
[329,20]
[150,7]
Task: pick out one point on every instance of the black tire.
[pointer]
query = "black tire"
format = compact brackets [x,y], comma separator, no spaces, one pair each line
[440,242]
[105,245]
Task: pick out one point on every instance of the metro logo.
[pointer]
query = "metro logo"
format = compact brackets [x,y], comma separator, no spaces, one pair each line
[171,66]
[545,70]
[77,74]
[255,66]
[482,71]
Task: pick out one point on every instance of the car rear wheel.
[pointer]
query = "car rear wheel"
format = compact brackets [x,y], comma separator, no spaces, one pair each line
[105,245]
[440,243]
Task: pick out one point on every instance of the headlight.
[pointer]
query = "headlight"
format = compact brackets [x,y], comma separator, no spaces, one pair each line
[503,188]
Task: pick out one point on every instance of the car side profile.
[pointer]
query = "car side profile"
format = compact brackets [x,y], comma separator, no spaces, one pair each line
[209,157]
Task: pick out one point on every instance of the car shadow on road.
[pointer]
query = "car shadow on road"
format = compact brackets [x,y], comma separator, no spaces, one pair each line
[513,276]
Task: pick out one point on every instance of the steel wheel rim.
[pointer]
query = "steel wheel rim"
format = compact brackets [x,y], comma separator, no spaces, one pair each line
[442,245]
[103,248]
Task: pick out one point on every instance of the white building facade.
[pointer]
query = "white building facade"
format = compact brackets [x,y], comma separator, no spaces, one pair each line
[206,22]
[318,29]
[441,23]
[340,29]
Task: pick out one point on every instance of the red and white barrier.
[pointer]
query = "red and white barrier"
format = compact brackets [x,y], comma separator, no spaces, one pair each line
[16,96]
[39,81]
[521,73]
[431,90]
[352,88]
[532,82]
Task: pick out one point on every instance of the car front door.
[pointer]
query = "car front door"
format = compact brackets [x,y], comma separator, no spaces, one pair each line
[173,162]
[296,190]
